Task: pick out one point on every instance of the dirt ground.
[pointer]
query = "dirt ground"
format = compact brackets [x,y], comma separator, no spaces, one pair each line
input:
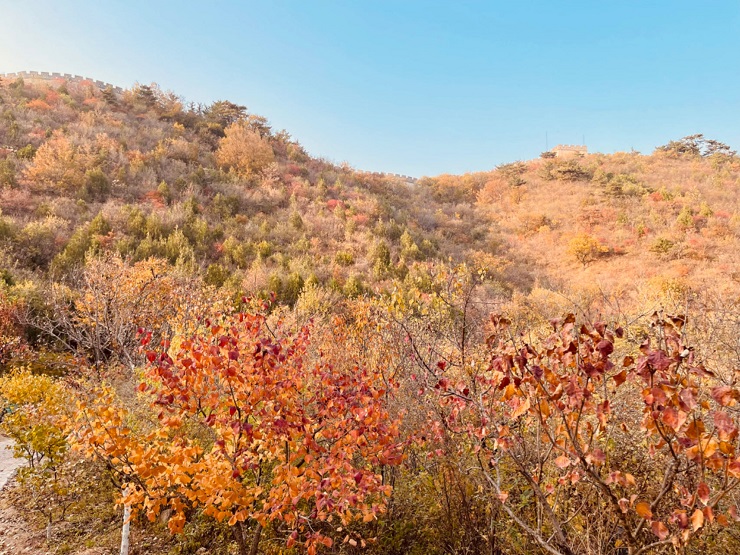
[15,538]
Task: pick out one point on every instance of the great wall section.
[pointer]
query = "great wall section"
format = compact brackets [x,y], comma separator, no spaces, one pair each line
[53,76]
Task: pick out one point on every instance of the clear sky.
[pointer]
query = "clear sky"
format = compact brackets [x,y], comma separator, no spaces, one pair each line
[418,88]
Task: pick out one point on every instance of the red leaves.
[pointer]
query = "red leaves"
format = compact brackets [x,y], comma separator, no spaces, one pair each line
[687,399]
[673,418]
[702,493]
[596,457]
[725,426]
[725,395]
[311,421]
[605,347]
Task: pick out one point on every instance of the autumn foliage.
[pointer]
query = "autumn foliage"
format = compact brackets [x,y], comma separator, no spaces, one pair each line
[647,442]
[362,398]
[251,429]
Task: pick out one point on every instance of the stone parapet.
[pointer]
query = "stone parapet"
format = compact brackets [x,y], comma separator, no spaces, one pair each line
[55,76]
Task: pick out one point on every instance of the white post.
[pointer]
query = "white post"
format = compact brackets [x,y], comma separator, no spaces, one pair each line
[125,530]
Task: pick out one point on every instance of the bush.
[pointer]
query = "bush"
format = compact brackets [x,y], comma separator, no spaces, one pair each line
[243,150]
[216,275]
[7,174]
[586,248]
[26,153]
[97,185]
[344,258]
[567,170]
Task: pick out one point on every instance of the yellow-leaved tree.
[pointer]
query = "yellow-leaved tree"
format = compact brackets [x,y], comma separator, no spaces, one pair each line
[244,150]
[35,418]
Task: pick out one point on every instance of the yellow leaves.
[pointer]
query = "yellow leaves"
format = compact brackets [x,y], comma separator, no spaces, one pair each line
[243,150]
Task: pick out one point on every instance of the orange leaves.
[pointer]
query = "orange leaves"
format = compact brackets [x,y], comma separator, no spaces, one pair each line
[673,418]
[521,406]
[659,529]
[697,520]
[562,462]
[725,395]
[643,509]
[620,378]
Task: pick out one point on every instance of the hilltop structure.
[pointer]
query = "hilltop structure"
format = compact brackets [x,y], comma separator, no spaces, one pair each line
[49,76]
[569,151]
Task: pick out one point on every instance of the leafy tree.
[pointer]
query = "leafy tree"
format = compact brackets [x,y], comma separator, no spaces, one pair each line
[696,145]
[58,165]
[586,248]
[225,113]
[293,441]
[243,150]
[37,424]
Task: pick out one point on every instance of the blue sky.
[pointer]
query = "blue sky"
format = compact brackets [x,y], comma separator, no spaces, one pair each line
[418,88]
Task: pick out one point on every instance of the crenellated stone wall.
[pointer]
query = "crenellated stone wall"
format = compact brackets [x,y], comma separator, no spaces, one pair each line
[406,178]
[570,151]
[54,76]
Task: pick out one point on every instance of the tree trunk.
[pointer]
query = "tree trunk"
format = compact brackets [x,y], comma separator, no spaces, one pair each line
[256,540]
[126,529]
[238,532]
[48,532]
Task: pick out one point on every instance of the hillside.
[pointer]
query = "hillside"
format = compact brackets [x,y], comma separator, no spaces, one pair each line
[202,321]
[142,175]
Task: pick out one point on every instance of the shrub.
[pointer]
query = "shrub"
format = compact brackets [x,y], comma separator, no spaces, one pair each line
[567,170]
[97,185]
[344,258]
[216,275]
[26,153]
[662,245]
[7,174]
[586,248]
[243,150]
